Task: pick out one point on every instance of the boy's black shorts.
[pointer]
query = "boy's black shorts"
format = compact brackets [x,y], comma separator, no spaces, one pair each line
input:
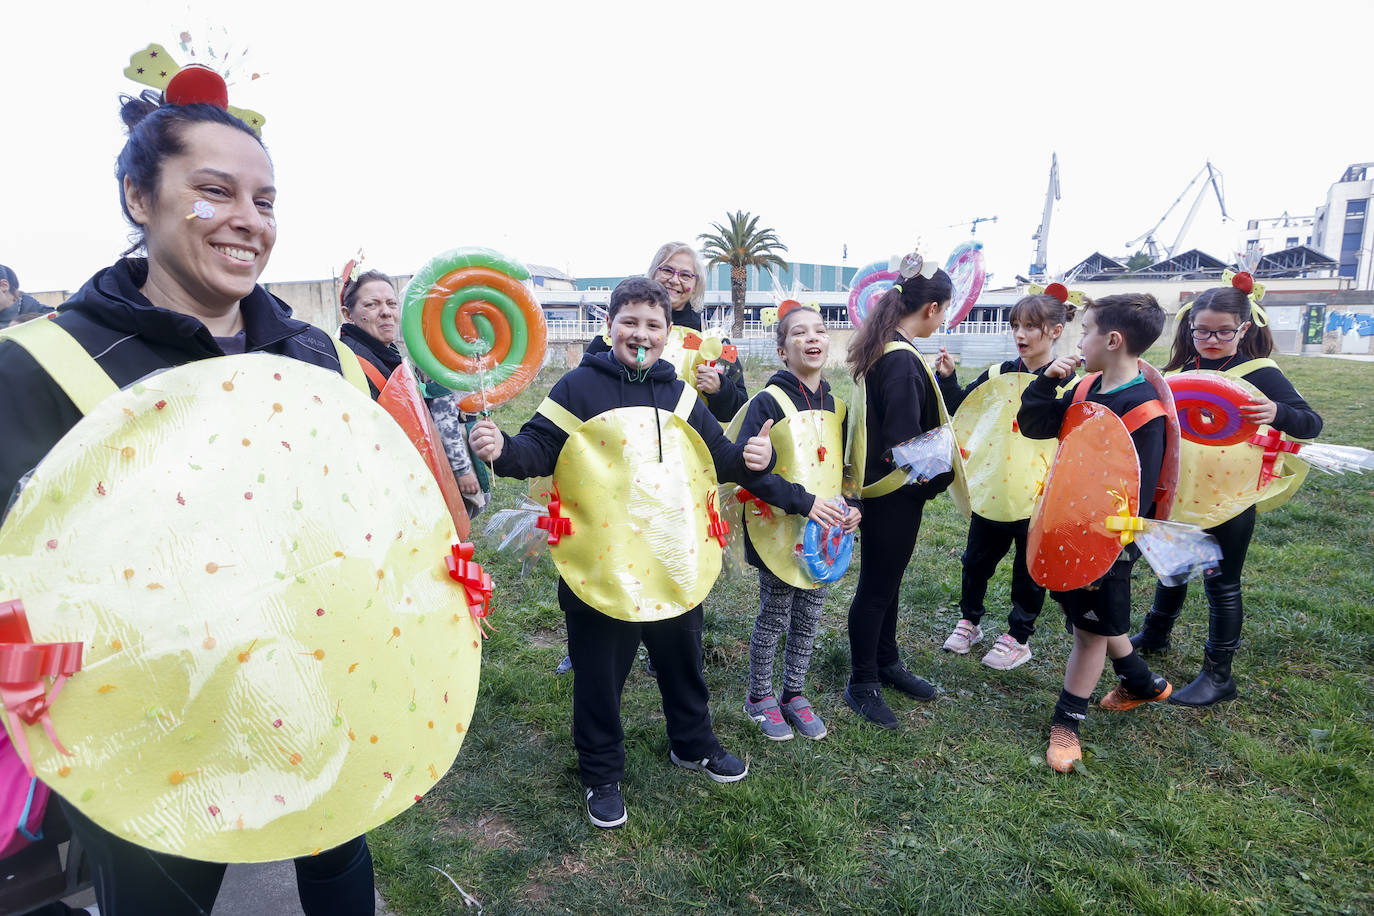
[1104,607]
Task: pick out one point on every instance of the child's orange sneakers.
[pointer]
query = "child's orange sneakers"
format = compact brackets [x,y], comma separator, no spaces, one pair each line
[1064,749]
[1121,699]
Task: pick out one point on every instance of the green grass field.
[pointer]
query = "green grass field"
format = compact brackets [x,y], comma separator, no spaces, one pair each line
[1262,805]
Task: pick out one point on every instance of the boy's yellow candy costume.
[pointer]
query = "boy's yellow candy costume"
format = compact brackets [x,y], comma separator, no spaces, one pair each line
[253,555]
[646,550]
[797,440]
[958,488]
[1004,469]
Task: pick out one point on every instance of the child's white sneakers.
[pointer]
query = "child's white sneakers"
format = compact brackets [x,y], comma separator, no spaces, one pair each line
[964,637]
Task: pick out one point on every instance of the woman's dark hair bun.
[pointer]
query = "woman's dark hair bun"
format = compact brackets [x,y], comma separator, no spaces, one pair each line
[134,108]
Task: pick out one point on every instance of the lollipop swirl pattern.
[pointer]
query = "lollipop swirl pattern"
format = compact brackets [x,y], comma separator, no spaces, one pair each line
[472,326]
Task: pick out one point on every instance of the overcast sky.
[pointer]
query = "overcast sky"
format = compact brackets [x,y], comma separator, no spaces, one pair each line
[584,134]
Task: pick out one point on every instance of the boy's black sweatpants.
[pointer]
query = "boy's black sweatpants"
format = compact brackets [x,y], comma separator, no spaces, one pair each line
[603,650]
[988,542]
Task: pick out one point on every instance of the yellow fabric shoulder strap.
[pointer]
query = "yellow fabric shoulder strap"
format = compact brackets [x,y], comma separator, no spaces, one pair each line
[686,401]
[841,410]
[1249,366]
[65,360]
[789,410]
[994,370]
[559,415]
[893,345]
[348,363]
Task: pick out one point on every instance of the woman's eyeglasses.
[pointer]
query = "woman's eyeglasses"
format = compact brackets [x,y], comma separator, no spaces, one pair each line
[667,273]
[1222,334]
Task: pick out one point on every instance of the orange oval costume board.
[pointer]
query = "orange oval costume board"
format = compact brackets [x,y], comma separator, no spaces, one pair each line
[1095,466]
[1004,469]
[253,555]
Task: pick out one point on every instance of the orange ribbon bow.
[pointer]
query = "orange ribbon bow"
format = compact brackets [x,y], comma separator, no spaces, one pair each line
[23,667]
[555,523]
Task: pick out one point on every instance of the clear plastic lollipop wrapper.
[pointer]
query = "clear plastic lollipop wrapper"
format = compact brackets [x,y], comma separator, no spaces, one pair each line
[1177,552]
[927,456]
[735,559]
[1337,459]
[519,532]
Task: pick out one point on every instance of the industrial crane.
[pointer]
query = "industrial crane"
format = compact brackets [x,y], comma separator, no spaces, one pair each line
[1214,181]
[973,223]
[1042,235]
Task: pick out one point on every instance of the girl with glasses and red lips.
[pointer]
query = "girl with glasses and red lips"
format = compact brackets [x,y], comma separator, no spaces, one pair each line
[1222,332]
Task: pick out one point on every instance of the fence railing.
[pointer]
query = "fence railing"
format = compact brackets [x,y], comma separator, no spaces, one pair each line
[584,329]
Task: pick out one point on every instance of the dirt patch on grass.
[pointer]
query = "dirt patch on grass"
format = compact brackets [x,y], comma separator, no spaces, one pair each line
[491,831]
[547,639]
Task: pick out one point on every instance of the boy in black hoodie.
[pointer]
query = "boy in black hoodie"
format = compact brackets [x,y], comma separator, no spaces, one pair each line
[602,641]
[1116,330]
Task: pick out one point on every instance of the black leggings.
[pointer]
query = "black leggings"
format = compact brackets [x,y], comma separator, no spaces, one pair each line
[887,536]
[133,881]
[988,543]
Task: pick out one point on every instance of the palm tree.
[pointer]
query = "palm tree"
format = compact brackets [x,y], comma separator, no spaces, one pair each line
[742,246]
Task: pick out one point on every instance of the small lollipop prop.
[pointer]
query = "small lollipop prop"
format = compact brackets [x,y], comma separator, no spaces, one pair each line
[1176,551]
[825,553]
[867,288]
[472,326]
[965,269]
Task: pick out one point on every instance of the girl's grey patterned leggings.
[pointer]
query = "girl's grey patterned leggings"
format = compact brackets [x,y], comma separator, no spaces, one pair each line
[783,607]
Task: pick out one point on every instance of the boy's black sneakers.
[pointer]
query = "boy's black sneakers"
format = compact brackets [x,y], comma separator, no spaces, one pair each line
[720,766]
[605,807]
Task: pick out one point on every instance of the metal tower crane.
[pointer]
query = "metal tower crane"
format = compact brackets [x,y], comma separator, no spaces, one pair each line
[1214,181]
[1042,235]
[973,223]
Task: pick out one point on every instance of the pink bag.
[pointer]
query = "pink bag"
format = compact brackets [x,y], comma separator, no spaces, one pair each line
[23,799]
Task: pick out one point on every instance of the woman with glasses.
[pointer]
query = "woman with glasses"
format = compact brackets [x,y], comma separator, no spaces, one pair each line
[678,268]
[1223,332]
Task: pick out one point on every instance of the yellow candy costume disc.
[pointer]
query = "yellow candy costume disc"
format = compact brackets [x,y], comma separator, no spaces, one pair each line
[639,548]
[1004,469]
[796,441]
[275,658]
[1217,483]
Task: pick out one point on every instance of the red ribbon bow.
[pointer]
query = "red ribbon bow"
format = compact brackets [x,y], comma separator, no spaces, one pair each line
[555,523]
[475,580]
[1273,444]
[760,507]
[718,528]
[23,666]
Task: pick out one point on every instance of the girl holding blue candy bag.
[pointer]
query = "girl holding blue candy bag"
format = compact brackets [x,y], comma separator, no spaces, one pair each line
[807,437]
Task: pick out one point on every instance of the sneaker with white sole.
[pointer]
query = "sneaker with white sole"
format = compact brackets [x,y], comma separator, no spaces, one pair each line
[768,714]
[605,807]
[721,766]
[1007,653]
[965,636]
[799,714]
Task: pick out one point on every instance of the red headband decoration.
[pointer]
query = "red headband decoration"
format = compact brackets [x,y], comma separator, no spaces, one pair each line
[787,306]
[1244,282]
[196,84]
[1058,291]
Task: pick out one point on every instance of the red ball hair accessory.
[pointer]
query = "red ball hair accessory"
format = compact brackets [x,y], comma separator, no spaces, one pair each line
[197,85]
[1244,282]
[787,306]
[1058,291]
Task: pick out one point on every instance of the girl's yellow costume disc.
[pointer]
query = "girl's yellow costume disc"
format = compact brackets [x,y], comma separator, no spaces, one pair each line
[637,489]
[1004,469]
[797,440]
[1217,483]
[275,658]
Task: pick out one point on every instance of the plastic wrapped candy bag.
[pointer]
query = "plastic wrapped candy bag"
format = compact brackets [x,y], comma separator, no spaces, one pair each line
[927,456]
[1337,459]
[825,554]
[1178,552]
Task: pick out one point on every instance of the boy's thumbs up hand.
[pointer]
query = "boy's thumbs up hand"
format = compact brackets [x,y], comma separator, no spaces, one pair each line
[758,451]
